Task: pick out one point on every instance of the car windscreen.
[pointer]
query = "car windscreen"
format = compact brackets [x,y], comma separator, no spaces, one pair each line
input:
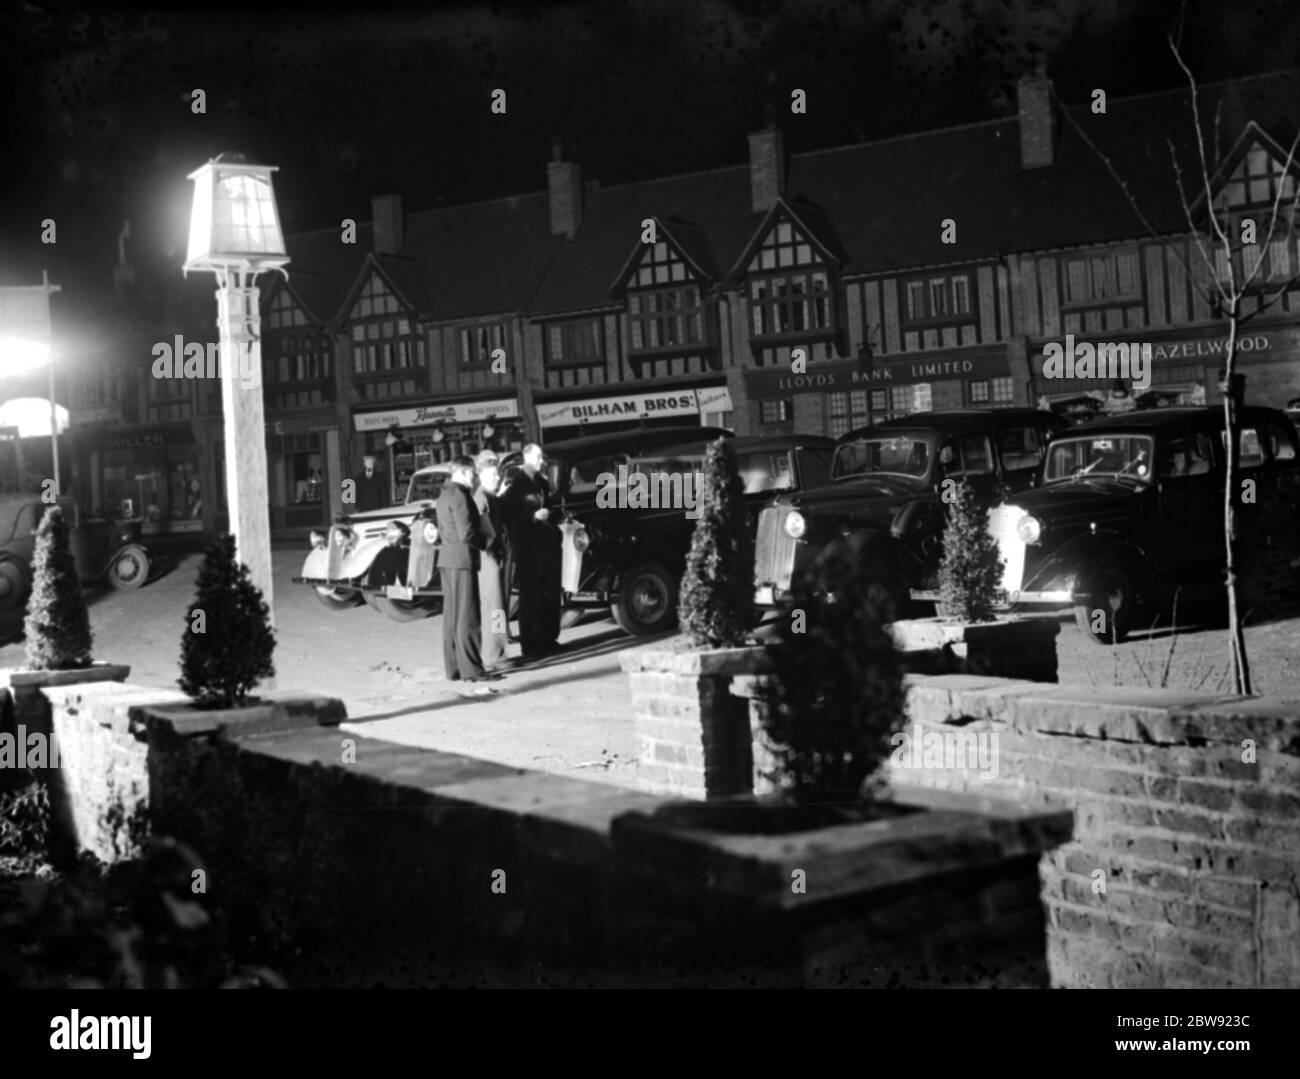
[426,485]
[903,456]
[1099,455]
[766,471]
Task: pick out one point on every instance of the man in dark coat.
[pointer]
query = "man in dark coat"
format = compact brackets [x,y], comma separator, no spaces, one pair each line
[372,491]
[535,549]
[462,539]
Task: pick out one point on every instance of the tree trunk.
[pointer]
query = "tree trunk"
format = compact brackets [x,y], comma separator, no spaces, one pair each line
[1236,638]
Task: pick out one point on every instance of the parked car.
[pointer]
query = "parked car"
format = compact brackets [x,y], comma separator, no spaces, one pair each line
[385,558]
[102,550]
[883,506]
[1129,511]
[630,559]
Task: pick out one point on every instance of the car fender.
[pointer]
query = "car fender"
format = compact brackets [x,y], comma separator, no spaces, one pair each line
[1068,566]
[316,564]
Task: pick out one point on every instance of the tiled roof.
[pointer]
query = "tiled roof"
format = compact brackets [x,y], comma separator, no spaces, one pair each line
[884,203]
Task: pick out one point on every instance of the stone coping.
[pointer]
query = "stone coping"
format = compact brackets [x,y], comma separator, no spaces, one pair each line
[279,711]
[926,634]
[675,657]
[17,677]
[957,832]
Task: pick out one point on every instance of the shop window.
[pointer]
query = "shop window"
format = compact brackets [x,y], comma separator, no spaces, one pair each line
[303,471]
[977,391]
[901,401]
[725,419]
[779,411]
[848,410]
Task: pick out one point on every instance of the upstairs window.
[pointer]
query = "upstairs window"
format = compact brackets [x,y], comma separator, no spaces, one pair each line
[477,343]
[577,343]
[790,288]
[1110,276]
[937,298]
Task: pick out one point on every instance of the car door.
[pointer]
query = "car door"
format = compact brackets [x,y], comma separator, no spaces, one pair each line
[1188,524]
[970,458]
[1020,454]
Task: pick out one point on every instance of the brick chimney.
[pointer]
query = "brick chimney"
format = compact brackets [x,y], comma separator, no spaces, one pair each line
[387,213]
[564,179]
[766,166]
[1037,119]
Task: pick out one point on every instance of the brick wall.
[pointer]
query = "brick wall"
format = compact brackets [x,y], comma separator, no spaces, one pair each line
[1198,850]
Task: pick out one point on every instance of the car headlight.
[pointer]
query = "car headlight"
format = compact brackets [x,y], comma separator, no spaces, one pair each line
[1029,529]
[581,541]
[342,537]
[394,533]
[319,541]
[125,537]
[430,532]
[795,524]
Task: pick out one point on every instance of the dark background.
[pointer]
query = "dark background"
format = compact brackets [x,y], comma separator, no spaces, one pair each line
[98,125]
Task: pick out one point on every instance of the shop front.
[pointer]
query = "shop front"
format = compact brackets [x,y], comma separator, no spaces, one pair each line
[404,440]
[305,472]
[707,406]
[149,473]
[836,397]
[1079,377]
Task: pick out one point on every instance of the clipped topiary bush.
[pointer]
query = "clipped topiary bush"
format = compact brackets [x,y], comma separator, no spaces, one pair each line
[58,624]
[716,609]
[970,574]
[835,694]
[228,643]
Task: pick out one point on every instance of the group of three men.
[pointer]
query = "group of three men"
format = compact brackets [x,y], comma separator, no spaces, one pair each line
[483,530]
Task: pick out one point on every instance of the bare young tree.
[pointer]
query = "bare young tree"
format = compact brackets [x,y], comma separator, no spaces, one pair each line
[1233,288]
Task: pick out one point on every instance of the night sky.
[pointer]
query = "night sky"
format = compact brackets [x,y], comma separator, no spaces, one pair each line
[100,128]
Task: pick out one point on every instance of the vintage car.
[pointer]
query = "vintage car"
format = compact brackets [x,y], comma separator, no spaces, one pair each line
[103,550]
[385,558]
[630,558]
[883,508]
[1129,512]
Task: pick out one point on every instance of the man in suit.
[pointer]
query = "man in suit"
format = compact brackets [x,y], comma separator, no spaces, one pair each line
[462,539]
[372,491]
[494,604]
[535,549]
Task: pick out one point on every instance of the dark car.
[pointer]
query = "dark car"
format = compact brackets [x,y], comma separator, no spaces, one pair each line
[102,549]
[631,505]
[884,505]
[1129,511]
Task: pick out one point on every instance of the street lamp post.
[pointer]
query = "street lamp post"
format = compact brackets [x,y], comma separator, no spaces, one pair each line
[235,233]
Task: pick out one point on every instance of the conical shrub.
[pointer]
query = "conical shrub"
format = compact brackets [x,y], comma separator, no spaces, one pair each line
[970,574]
[58,624]
[228,643]
[716,609]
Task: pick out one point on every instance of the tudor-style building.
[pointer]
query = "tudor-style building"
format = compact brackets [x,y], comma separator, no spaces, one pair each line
[806,293]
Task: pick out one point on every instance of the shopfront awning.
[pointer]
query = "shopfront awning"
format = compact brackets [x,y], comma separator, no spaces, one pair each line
[501,408]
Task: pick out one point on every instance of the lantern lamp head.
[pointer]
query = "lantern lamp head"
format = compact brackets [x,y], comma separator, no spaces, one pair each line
[234,223]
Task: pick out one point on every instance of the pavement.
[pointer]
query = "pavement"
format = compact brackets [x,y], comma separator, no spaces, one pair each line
[570,714]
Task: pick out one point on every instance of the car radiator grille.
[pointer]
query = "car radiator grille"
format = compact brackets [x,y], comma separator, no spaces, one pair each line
[1002,527]
[774,549]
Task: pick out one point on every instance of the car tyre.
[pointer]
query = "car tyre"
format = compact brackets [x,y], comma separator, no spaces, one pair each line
[1112,590]
[405,610]
[646,601]
[15,584]
[129,568]
[338,599]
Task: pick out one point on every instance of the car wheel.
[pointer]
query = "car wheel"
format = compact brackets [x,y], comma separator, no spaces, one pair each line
[405,610]
[646,601]
[1111,592]
[338,599]
[15,584]
[130,569]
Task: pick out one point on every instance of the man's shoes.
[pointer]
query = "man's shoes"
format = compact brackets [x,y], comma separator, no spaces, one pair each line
[477,690]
